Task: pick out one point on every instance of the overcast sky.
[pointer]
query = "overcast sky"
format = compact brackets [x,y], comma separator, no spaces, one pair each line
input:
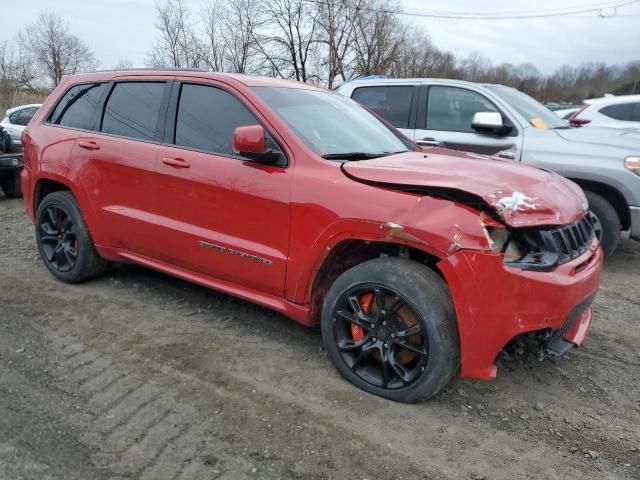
[117,30]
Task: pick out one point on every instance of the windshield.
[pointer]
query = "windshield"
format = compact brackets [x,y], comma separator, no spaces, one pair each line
[331,125]
[536,114]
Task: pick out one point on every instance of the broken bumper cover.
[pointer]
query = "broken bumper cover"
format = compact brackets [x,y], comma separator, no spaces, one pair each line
[635,222]
[495,302]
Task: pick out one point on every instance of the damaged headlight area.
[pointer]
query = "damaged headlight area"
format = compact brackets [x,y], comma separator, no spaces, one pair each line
[543,248]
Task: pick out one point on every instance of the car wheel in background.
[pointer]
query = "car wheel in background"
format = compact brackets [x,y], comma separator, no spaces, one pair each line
[11,186]
[64,242]
[389,327]
[609,227]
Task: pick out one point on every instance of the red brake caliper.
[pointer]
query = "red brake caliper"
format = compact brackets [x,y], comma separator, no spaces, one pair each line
[357,332]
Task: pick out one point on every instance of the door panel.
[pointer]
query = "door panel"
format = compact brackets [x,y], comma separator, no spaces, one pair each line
[225,217]
[118,175]
[117,165]
[447,123]
[221,215]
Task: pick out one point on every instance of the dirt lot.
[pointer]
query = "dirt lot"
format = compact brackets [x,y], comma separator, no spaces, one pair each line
[139,375]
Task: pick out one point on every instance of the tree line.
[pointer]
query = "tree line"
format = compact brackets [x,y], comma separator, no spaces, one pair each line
[325,42]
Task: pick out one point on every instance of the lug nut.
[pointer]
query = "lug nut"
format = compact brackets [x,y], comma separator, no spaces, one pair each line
[384,323]
[393,335]
[386,345]
[374,339]
[373,325]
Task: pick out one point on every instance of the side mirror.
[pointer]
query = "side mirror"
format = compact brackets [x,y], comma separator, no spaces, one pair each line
[250,141]
[489,122]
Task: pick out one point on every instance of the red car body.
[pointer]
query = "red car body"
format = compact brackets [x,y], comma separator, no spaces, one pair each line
[272,235]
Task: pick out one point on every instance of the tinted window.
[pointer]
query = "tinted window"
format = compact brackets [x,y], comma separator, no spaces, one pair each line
[635,112]
[391,103]
[132,109]
[452,109]
[621,111]
[25,115]
[13,118]
[77,107]
[207,118]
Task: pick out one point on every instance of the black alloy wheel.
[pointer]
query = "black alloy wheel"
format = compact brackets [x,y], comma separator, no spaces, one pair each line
[379,338]
[58,238]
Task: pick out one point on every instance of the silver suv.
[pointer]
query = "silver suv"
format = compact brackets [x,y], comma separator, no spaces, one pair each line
[502,121]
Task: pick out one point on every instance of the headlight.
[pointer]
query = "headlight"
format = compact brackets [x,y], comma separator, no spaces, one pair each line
[633,164]
[503,244]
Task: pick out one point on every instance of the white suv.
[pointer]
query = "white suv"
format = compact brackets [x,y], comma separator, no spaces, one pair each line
[15,121]
[616,112]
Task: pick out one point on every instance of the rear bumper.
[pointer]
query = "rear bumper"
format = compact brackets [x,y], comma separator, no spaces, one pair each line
[635,222]
[495,303]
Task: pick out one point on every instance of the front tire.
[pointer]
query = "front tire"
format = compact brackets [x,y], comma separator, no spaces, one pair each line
[64,242]
[609,221]
[11,186]
[389,327]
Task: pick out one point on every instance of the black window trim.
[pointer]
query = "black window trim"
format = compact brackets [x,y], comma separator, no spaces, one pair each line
[95,113]
[162,111]
[168,138]
[424,105]
[413,105]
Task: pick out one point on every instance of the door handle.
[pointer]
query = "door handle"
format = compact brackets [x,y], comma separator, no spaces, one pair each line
[428,142]
[88,144]
[176,162]
[507,154]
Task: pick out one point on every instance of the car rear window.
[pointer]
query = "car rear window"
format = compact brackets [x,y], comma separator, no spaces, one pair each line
[620,111]
[78,106]
[393,103]
[132,110]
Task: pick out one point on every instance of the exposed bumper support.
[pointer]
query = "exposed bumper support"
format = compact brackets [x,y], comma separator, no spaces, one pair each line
[635,222]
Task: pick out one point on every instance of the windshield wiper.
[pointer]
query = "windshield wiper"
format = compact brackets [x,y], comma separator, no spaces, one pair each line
[357,155]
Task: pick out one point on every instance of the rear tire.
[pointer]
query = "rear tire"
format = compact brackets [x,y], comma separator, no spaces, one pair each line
[388,360]
[11,186]
[609,222]
[64,241]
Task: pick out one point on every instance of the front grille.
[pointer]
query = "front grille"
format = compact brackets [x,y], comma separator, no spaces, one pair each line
[546,248]
[571,241]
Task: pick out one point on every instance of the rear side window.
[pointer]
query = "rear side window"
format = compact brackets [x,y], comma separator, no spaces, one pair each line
[78,106]
[24,116]
[452,109]
[635,112]
[132,109]
[393,103]
[207,117]
[621,111]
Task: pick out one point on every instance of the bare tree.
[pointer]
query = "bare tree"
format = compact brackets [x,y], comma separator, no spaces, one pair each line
[56,51]
[377,38]
[239,32]
[177,44]
[336,30]
[214,45]
[287,38]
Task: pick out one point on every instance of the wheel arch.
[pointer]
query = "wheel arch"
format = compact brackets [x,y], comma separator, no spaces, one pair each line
[55,181]
[612,195]
[349,252]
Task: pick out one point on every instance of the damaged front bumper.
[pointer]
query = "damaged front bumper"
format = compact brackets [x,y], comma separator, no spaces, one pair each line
[496,302]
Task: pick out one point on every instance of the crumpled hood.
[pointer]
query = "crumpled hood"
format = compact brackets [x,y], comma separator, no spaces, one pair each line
[520,194]
[627,139]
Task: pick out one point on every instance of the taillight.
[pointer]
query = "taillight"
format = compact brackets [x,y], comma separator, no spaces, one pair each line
[574,121]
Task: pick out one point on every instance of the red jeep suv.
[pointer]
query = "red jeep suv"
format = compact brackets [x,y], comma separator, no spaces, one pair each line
[418,264]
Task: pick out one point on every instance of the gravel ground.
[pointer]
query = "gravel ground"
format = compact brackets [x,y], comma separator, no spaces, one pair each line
[139,375]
